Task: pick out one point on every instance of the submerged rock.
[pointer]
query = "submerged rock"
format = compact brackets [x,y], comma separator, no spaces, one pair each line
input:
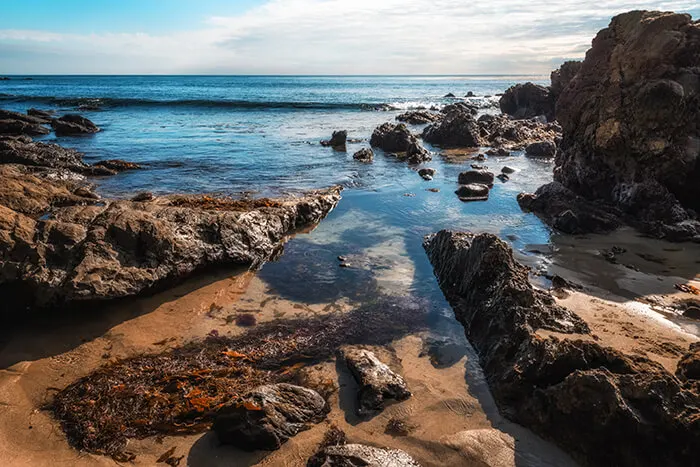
[352,455]
[72,124]
[427,173]
[376,380]
[527,100]
[337,141]
[364,155]
[603,406]
[268,416]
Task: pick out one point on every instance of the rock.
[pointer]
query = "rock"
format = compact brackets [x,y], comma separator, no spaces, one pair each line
[502,132]
[503,177]
[117,165]
[507,170]
[376,380]
[19,127]
[527,100]
[470,94]
[143,197]
[73,124]
[476,176]
[543,149]
[392,138]
[42,114]
[603,406]
[563,76]
[500,152]
[96,251]
[268,416]
[427,173]
[457,129]
[433,190]
[86,192]
[630,123]
[692,312]
[564,210]
[337,141]
[473,192]
[487,447]
[449,95]
[9,115]
[460,107]
[417,154]
[352,455]
[418,117]
[364,155]
[689,365]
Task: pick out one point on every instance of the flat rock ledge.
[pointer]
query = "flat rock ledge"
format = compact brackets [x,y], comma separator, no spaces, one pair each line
[602,406]
[59,244]
[268,416]
[376,380]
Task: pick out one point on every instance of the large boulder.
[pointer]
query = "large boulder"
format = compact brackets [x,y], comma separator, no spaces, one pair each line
[631,121]
[458,128]
[73,124]
[527,100]
[268,416]
[392,138]
[542,149]
[603,406]
[476,176]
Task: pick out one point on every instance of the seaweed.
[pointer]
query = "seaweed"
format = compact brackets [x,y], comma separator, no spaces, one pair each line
[180,390]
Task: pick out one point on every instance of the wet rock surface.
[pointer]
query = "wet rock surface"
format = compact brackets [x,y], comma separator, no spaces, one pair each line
[419,117]
[476,176]
[364,155]
[603,406]
[353,455]
[268,416]
[527,100]
[473,192]
[73,124]
[338,140]
[19,127]
[630,123]
[376,380]
[543,149]
[427,173]
[392,138]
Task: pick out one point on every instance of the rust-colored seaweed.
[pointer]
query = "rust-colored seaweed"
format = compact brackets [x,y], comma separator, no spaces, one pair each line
[179,391]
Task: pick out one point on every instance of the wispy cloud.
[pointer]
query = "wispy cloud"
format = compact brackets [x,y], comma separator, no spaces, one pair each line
[339,36]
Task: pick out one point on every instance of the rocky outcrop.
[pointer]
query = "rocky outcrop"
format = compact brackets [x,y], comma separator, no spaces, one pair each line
[72,124]
[458,128]
[351,455]
[503,132]
[377,382]
[364,155]
[58,247]
[19,127]
[604,407]
[418,117]
[562,76]
[33,119]
[392,138]
[25,152]
[689,366]
[42,114]
[268,416]
[337,141]
[117,165]
[630,119]
[527,100]
[542,150]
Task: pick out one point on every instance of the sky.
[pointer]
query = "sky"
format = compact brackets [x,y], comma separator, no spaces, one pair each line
[354,37]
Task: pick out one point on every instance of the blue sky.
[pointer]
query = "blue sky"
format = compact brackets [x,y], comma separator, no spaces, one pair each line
[302,36]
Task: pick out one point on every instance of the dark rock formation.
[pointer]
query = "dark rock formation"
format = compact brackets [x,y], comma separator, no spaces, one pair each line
[502,132]
[469,94]
[603,406]
[450,95]
[117,165]
[392,138]
[337,141]
[527,100]
[418,117]
[689,366]
[460,107]
[376,380]
[630,118]
[543,149]
[364,155]
[268,416]
[426,173]
[476,176]
[562,77]
[61,247]
[19,127]
[417,154]
[507,170]
[26,152]
[354,455]
[72,124]
[473,192]
[458,128]
[42,114]
[503,177]
[9,115]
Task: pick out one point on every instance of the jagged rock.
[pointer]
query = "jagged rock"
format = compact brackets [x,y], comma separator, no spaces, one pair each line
[543,149]
[563,76]
[603,406]
[460,107]
[502,132]
[376,380]
[392,138]
[426,173]
[117,165]
[143,197]
[476,176]
[457,129]
[527,100]
[268,416]
[564,210]
[26,152]
[73,248]
[417,154]
[473,192]
[689,366]
[10,115]
[354,455]
[364,155]
[72,124]
[630,122]
[418,117]
[42,114]
[19,127]
[337,141]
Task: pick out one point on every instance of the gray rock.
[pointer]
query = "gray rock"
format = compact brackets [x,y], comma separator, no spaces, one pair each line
[268,416]
[457,129]
[376,380]
[355,455]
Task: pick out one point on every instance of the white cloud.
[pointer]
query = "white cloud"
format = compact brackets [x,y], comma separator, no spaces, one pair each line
[341,37]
